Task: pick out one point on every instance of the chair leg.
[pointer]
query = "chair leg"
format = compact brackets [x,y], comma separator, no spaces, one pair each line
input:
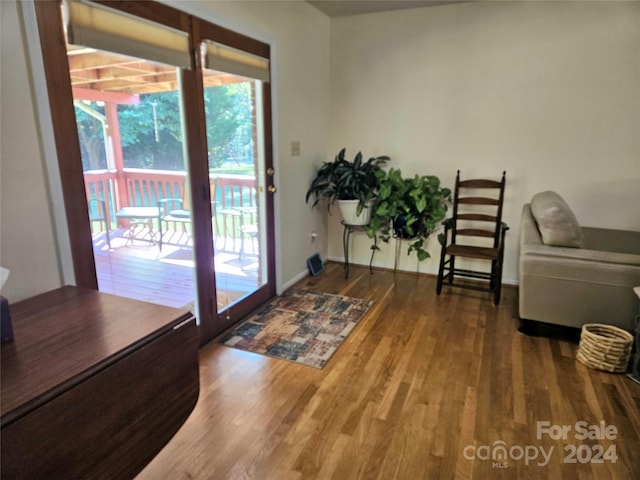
[241,253]
[492,276]
[452,266]
[497,282]
[440,271]
[105,226]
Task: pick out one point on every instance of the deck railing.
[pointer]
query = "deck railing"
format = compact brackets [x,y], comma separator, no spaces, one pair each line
[134,187]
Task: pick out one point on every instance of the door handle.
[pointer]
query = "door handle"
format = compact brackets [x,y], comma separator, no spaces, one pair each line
[272,189]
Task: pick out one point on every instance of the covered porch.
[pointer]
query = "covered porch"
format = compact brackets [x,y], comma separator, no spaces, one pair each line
[140,217]
[135,267]
[132,262]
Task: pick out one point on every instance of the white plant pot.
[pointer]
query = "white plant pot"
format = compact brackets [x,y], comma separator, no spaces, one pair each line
[348,210]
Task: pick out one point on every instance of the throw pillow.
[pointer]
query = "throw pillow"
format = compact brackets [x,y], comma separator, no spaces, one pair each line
[557,224]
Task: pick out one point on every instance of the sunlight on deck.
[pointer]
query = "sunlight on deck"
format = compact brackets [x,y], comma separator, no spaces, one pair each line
[135,267]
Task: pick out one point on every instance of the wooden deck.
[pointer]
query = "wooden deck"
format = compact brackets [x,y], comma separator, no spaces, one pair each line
[136,268]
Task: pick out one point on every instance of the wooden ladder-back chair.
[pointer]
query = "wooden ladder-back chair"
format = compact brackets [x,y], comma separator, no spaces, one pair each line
[477,213]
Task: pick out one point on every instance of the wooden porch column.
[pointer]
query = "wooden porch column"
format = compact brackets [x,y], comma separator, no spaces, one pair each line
[113,128]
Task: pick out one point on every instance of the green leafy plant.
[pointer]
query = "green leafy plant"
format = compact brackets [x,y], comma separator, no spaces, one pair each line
[409,208]
[343,179]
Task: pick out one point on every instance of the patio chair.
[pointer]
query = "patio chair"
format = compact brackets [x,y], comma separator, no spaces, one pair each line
[177,210]
[239,228]
[250,230]
[98,213]
[232,212]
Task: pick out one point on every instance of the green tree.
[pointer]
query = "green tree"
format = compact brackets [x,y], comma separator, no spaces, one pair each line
[228,110]
[151,131]
[91,136]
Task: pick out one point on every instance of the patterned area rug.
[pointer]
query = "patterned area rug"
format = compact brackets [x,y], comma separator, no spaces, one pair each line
[302,326]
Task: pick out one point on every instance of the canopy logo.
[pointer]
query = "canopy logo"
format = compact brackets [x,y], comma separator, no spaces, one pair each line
[500,454]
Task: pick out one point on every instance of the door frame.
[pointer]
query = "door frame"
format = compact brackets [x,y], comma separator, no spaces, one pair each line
[54,56]
[203,30]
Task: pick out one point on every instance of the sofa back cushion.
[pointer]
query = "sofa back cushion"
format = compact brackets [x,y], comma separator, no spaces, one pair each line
[557,224]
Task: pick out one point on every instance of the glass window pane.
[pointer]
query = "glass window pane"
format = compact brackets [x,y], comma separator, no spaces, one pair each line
[234,146]
[130,126]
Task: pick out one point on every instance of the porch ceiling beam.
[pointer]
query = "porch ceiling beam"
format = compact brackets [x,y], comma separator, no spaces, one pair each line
[98,60]
[105,96]
[85,75]
[124,76]
[116,72]
[133,85]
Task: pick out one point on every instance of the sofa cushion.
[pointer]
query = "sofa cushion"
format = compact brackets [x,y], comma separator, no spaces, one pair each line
[557,224]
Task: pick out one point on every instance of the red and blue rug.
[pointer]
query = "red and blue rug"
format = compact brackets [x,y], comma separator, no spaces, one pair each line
[302,326]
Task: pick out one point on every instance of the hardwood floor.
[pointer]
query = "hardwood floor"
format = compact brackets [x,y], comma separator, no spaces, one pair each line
[425,387]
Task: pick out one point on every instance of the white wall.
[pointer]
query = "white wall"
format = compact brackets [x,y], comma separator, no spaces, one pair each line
[548,91]
[27,241]
[299,36]
[299,39]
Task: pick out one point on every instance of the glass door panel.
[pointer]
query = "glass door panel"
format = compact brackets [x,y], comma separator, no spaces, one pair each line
[129,115]
[235,139]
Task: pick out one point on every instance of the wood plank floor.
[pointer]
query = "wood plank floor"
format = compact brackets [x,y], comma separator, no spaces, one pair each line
[138,269]
[425,387]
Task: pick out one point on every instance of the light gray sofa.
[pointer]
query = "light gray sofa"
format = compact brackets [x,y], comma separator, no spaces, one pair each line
[589,282]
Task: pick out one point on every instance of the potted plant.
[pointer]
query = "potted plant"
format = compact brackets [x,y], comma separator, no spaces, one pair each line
[352,184]
[408,208]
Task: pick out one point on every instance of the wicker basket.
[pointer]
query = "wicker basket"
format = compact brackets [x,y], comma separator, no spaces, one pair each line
[605,347]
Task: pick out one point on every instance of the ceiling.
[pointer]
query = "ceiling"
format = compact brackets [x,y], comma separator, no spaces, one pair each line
[108,72]
[343,8]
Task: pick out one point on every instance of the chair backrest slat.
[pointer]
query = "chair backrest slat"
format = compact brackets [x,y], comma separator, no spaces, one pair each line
[485,208]
[478,201]
[477,216]
[475,232]
[479,184]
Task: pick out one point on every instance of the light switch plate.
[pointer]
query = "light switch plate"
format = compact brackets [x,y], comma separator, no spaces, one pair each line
[295,148]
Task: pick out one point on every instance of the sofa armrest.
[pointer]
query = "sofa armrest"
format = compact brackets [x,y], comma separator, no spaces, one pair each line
[602,245]
[581,254]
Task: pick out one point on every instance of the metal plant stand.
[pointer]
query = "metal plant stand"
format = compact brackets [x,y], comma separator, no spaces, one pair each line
[348,229]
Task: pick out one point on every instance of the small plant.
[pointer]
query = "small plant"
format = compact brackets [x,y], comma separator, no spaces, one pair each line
[347,180]
[409,208]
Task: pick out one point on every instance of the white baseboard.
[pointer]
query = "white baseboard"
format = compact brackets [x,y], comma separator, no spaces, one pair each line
[293,281]
[505,281]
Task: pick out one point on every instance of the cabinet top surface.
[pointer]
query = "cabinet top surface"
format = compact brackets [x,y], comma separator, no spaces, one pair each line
[65,335]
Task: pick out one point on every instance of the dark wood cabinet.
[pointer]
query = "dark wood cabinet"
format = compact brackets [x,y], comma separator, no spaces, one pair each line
[94,385]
